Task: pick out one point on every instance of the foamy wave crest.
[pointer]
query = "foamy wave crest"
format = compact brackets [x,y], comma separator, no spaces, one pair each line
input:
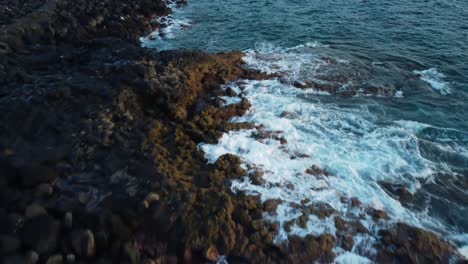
[316,67]
[316,158]
[296,63]
[435,79]
[358,153]
[351,258]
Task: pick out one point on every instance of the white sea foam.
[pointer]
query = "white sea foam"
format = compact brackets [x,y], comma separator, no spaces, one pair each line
[169,26]
[436,79]
[359,151]
[464,251]
[351,258]
[272,59]
[346,142]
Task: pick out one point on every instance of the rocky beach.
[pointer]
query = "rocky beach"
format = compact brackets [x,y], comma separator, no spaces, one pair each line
[100,159]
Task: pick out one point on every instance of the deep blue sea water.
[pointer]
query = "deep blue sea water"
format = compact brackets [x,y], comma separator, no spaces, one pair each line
[414,133]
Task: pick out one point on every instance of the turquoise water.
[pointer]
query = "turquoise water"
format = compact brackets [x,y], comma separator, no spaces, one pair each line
[414,132]
[404,35]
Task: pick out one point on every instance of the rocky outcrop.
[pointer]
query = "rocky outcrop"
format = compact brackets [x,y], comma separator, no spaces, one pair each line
[98,145]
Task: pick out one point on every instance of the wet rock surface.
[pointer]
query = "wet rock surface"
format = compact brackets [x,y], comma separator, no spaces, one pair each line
[98,148]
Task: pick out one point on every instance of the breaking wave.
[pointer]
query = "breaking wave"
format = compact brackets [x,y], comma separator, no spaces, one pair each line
[435,79]
[321,154]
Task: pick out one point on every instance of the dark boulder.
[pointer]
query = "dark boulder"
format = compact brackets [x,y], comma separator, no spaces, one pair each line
[408,244]
[41,234]
[230,92]
[9,244]
[33,175]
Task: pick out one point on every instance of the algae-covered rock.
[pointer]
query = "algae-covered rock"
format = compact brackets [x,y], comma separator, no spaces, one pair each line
[407,244]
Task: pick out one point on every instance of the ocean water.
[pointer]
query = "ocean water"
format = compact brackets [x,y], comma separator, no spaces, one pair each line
[395,111]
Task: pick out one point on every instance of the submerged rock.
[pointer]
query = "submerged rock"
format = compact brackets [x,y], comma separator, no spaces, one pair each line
[230,92]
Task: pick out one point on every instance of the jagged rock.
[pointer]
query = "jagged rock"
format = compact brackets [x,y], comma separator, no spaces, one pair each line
[257,177]
[73,74]
[230,92]
[379,215]
[317,171]
[271,205]
[399,191]
[413,245]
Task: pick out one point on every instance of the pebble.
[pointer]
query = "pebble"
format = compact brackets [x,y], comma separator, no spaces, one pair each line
[55,259]
[34,210]
[68,220]
[151,198]
[32,257]
[83,243]
[44,190]
[71,258]
[212,254]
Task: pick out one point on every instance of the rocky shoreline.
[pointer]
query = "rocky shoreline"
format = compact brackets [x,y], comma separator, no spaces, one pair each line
[98,149]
